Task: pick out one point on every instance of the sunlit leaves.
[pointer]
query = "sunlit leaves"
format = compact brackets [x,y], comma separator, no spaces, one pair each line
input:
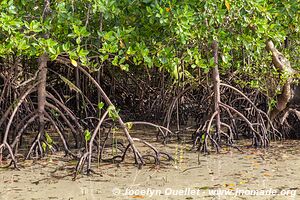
[66,47]
[48,139]
[113,113]
[124,67]
[33,26]
[109,36]
[48,142]
[227,4]
[83,52]
[74,63]
[87,135]
[80,31]
[44,146]
[100,105]
[129,125]
[71,85]
[130,51]
[169,35]
[108,8]
[115,61]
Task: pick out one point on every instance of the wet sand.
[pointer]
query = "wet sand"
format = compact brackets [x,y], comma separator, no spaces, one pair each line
[276,169]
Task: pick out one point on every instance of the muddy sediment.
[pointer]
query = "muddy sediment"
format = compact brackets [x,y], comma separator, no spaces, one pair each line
[261,170]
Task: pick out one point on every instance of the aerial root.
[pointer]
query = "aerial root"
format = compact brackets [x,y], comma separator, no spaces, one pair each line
[287,113]
[260,130]
[160,128]
[11,154]
[14,111]
[62,137]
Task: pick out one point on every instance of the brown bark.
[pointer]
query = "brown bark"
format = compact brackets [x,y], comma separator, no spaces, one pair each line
[283,65]
[77,83]
[42,77]
[216,83]
[138,157]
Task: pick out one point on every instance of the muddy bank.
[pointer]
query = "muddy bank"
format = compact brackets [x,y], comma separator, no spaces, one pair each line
[256,170]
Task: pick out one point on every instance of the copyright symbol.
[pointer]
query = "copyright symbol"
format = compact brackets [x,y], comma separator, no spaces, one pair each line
[116,191]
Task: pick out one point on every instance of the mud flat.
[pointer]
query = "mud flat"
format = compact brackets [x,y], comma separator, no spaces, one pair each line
[254,174]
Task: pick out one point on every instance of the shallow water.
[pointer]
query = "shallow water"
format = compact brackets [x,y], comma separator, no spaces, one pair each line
[250,175]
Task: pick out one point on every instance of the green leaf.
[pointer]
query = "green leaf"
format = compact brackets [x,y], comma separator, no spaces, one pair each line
[122,60]
[35,26]
[211,62]
[66,47]
[129,125]
[203,137]
[125,67]
[83,52]
[112,112]
[22,45]
[78,40]
[76,30]
[109,36]
[104,57]
[44,146]
[100,105]
[71,85]
[115,61]
[87,135]
[48,139]
[74,63]
[52,50]
[130,51]
[227,4]
[84,32]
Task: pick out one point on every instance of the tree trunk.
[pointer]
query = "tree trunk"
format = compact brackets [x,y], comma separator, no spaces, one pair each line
[77,83]
[42,77]
[283,65]
[216,83]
